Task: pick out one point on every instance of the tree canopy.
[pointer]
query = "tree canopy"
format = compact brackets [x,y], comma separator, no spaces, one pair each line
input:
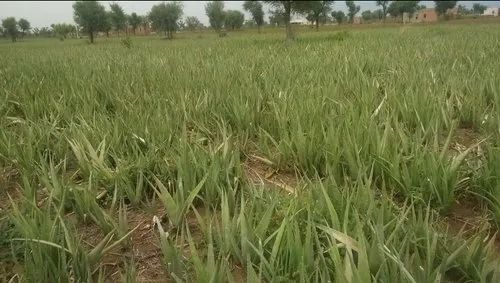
[353,9]
[383,5]
[478,8]
[10,27]
[24,25]
[134,21]
[287,8]
[339,16]
[442,6]
[234,19]
[398,8]
[318,11]
[90,15]
[192,23]
[255,9]
[63,29]
[216,15]
[166,17]
[118,17]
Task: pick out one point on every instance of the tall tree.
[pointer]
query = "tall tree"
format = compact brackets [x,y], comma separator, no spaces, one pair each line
[234,19]
[287,8]
[478,8]
[353,9]
[107,25]
[339,16]
[319,10]
[90,15]
[24,25]
[118,17]
[166,17]
[134,21]
[192,23]
[10,28]
[255,9]
[398,8]
[383,5]
[216,15]
[442,6]
[366,15]
[462,10]
[276,17]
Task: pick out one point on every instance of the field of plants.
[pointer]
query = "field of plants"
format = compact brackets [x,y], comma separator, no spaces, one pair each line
[355,155]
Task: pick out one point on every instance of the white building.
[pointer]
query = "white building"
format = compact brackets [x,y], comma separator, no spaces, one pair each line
[299,20]
[491,12]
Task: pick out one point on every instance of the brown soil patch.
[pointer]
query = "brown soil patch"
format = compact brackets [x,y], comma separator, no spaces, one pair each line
[144,247]
[466,137]
[259,170]
[9,179]
[468,217]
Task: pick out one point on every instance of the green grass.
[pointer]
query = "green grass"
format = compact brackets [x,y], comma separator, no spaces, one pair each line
[366,118]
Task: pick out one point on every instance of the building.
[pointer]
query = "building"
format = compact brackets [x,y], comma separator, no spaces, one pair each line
[491,12]
[425,16]
[299,20]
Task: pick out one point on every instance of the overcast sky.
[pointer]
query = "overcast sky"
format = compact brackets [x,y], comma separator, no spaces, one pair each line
[45,13]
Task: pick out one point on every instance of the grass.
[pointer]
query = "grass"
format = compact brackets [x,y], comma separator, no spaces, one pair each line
[136,160]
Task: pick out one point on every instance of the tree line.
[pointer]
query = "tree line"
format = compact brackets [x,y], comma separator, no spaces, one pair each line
[91,17]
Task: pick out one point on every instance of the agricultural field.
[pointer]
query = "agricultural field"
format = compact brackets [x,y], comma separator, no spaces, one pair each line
[348,155]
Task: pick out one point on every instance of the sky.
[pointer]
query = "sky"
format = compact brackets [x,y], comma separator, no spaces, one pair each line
[45,13]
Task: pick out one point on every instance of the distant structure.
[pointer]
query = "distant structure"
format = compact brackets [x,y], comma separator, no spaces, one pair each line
[425,16]
[299,20]
[491,12]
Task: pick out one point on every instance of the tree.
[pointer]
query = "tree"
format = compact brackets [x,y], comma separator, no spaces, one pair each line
[90,15]
[107,25]
[276,18]
[384,5]
[216,15]
[62,30]
[255,9]
[318,11]
[287,8]
[462,10]
[478,8]
[353,9]
[166,17]
[378,14]
[24,25]
[234,19]
[398,8]
[442,6]
[134,21]
[10,28]
[339,16]
[366,15]
[192,23]
[118,17]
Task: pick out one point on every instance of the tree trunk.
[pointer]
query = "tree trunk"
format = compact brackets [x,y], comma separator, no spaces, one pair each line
[134,30]
[288,12]
[91,37]
[317,25]
[258,28]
